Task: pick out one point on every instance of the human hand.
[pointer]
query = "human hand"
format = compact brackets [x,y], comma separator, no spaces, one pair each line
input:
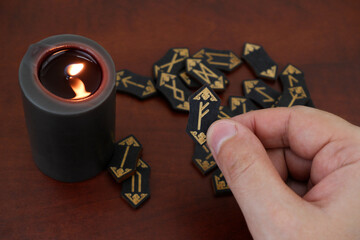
[315,152]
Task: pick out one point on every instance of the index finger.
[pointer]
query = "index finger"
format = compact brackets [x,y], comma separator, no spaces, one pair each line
[304,130]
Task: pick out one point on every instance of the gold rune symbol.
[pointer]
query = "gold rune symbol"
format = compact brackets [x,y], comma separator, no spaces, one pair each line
[237,102]
[199,54]
[133,182]
[222,114]
[205,165]
[127,81]
[202,113]
[276,102]
[130,141]
[142,164]
[201,137]
[292,80]
[118,77]
[156,70]
[206,103]
[205,94]
[191,63]
[136,198]
[290,69]
[271,72]
[150,88]
[172,62]
[184,52]
[267,97]
[212,55]
[184,106]
[177,93]
[220,184]
[185,77]
[250,48]
[249,85]
[121,171]
[296,94]
[136,195]
[207,151]
[234,60]
[205,73]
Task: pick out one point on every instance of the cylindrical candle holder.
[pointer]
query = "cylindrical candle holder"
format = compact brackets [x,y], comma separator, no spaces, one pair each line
[68,89]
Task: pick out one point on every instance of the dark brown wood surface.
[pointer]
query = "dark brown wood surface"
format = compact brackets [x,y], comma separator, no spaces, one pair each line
[320,37]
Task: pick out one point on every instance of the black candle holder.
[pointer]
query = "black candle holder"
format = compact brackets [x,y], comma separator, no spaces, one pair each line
[71,138]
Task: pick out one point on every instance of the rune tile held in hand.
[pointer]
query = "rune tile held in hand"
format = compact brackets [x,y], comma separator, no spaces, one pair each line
[203,159]
[204,109]
[136,189]
[219,184]
[125,157]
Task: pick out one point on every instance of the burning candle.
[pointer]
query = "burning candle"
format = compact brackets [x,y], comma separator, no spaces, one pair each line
[65,73]
[68,88]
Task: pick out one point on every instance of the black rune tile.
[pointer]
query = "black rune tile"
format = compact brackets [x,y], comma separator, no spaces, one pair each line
[205,74]
[203,159]
[135,84]
[260,62]
[126,155]
[204,109]
[172,62]
[224,60]
[260,92]
[136,189]
[174,91]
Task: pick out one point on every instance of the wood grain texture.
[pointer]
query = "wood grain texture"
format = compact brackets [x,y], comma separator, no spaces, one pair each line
[320,37]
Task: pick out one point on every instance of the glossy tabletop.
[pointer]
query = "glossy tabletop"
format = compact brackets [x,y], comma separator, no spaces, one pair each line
[320,37]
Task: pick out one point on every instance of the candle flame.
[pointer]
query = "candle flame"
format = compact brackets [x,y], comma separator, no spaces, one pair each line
[75,83]
[79,88]
[74,69]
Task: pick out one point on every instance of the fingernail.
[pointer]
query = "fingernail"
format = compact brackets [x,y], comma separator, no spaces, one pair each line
[219,132]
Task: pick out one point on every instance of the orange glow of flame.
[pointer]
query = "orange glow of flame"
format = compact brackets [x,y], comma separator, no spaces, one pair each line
[79,88]
[75,83]
[74,69]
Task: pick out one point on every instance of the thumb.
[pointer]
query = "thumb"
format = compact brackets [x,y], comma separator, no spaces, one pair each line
[255,183]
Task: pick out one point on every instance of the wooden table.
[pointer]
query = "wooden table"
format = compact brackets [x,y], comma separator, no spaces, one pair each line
[320,38]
